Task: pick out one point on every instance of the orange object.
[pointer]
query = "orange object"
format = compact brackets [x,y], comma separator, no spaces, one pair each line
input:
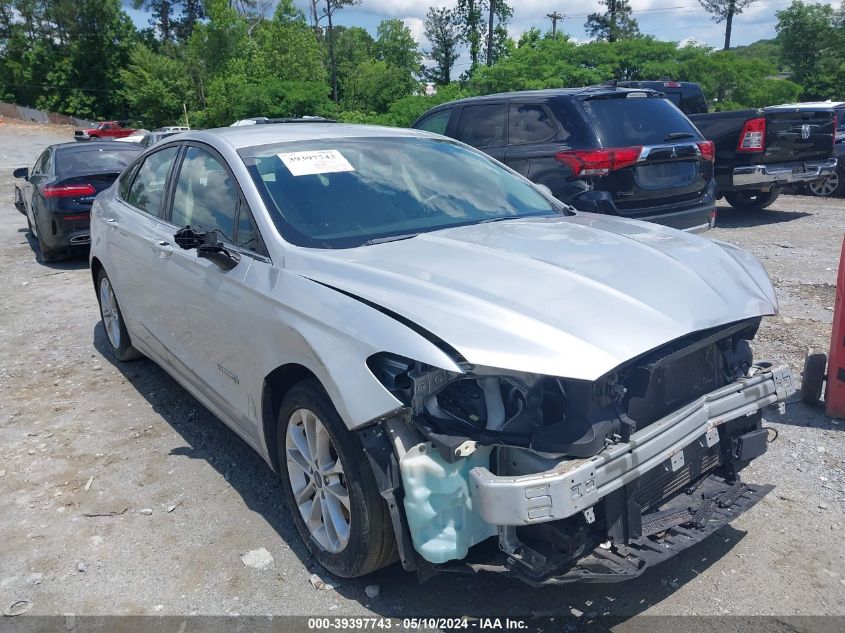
[834,398]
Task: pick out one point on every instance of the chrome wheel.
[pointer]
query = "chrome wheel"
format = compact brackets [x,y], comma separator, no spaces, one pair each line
[110,312]
[317,480]
[826,187]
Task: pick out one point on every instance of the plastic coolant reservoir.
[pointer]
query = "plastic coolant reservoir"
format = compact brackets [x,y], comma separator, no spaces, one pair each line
[438,503]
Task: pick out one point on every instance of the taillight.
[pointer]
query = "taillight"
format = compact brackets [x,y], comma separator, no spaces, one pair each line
[707,149]
[713,218]
[598,162]
[69,191]
[671,84]
[753,136]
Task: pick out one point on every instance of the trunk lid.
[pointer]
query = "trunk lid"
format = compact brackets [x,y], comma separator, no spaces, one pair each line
[795,133]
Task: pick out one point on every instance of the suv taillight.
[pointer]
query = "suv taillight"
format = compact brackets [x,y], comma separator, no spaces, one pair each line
[707,149]
[598,162]
[69,191]
[753,136]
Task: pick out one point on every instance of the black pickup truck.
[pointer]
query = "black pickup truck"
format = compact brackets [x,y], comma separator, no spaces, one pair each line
[759,151]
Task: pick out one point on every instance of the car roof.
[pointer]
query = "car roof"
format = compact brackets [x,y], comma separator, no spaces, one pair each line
[268,134]
[94,145]
[550,93]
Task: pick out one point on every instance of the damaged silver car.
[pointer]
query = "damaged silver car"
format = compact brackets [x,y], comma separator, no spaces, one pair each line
[446,365]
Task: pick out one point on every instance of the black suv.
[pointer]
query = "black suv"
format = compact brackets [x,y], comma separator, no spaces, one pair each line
[603,149]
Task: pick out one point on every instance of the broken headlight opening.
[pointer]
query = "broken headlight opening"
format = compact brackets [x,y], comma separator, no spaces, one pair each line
[545,464]
[549,414]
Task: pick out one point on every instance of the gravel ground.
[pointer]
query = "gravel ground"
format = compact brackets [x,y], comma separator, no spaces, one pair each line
[81,436]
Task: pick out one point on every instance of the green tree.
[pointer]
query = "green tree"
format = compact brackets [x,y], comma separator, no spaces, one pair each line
[155,87]
[614,24]
[441,29]
[724,11]
[396,47]
[812,40]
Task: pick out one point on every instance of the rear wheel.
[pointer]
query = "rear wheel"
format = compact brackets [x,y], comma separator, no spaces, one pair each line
[751,200]
[330,489]
[118,337]
[833,185]
[45,253]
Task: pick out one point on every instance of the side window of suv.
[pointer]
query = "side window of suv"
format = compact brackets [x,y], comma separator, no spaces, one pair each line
[437,122]
[483,125]
[206,197]
[530,124]
[147,189]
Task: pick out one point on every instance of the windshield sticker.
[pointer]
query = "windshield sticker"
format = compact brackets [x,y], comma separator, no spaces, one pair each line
[326,161]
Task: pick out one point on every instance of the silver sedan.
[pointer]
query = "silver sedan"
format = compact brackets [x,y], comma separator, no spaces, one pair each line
[446,365]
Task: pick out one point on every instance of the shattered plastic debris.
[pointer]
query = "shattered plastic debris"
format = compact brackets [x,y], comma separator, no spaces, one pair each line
[320,584]
[258,558]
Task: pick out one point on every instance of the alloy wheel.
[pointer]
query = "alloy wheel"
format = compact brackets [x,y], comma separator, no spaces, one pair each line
[110,312]
[317,480]
[825,187]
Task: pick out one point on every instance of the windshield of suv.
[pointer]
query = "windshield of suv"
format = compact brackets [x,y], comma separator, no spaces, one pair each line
[341,193]
[623,122]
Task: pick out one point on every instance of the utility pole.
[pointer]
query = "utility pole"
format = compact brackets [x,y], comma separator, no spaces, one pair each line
[490,33]
[554,17]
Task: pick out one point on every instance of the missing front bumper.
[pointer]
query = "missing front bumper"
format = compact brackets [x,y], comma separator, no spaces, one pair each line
[690,519]
[577,485]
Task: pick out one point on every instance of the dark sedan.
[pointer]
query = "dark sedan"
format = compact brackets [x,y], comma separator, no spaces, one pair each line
[57,194]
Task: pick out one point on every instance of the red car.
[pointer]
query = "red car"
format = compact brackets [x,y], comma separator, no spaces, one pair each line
[106,129]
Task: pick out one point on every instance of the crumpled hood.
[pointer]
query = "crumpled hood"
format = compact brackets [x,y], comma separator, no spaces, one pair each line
[571,296]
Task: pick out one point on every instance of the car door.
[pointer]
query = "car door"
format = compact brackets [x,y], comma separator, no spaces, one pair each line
[202,309]
[31,191]
[533,137]
[131,231]
[485,126]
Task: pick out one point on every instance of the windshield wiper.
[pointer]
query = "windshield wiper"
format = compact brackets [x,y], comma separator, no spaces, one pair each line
[674,136]
[389,238]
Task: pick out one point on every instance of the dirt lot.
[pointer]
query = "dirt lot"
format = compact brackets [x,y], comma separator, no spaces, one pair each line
[81,435]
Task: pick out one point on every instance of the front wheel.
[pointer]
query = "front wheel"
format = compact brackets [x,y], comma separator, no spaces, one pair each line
[751,200]
[329,486]
[113,324]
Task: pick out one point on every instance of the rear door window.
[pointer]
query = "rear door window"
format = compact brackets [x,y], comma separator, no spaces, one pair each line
[147,190]
[631,121]
[530,123]
[437,122]
[483,125]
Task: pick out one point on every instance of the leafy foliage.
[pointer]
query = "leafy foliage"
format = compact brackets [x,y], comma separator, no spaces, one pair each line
[614,24]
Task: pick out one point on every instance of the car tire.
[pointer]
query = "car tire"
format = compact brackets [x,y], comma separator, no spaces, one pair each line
[832,186]
[751,200]
[815,367]
[349,539]
[46,254]
[112,319]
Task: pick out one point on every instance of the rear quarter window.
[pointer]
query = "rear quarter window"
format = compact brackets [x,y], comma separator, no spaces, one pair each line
[631,121]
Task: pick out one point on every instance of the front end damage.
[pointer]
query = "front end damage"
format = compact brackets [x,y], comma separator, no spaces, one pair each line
[555,480]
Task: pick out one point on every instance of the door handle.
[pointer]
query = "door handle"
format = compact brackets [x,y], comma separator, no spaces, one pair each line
[112,220]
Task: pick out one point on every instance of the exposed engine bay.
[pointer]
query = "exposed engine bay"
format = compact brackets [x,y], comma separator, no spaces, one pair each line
[578,480]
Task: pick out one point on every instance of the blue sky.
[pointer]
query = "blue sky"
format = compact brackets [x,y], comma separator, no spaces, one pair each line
[678,20]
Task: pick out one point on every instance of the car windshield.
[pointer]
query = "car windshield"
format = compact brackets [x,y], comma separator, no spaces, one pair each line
[622,122]
[89,160]
[342,193]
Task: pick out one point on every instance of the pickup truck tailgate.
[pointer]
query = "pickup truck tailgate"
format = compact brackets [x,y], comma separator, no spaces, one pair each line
[797,134]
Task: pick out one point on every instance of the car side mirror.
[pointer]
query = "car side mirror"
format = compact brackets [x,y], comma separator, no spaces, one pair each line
[208,246]
[21,172]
